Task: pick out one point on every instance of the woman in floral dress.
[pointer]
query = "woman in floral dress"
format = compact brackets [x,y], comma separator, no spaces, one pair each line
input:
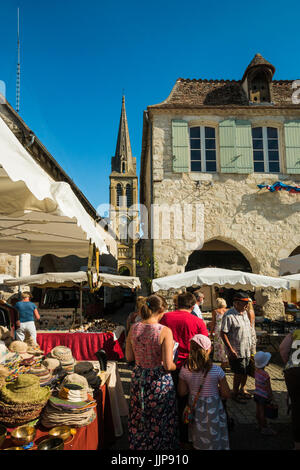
[219,347]
[152,421]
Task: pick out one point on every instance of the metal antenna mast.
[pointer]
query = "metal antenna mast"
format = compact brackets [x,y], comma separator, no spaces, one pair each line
[18,83]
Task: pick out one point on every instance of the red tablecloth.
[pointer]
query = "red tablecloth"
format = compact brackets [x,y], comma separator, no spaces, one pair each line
[83,345]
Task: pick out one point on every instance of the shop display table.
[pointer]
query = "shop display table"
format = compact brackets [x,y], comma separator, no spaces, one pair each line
[86,438]
[84,345]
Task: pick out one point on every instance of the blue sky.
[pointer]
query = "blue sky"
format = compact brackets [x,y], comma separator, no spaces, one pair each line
[78,56]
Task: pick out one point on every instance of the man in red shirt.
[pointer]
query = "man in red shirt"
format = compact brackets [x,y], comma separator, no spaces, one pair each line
[184,326]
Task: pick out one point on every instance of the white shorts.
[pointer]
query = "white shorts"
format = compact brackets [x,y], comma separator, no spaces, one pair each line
[26,326]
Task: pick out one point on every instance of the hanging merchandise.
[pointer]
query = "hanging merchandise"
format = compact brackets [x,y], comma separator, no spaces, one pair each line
[93,267]
[278,186]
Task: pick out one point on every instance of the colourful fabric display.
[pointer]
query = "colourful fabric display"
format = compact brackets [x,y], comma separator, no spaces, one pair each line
[278,186]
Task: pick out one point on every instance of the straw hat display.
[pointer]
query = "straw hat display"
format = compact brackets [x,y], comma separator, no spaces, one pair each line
[5,335]
[72,406]
[65,357]
[43,374]
[18,347]
[22,401]
[86,369]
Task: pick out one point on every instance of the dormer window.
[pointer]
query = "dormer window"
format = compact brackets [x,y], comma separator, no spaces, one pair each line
[259,91]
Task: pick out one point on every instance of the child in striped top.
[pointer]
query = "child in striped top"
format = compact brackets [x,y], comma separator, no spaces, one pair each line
[263,392]
[206,385]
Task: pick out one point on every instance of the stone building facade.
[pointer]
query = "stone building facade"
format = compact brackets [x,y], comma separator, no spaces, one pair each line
[124,198]
[212,142]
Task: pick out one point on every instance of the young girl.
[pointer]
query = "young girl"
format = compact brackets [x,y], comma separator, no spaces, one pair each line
[263,392]
[209,430]
[152,423]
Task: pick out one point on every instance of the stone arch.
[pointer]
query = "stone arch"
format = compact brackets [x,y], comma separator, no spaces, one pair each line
[124,270]
[289,248]
[255,266]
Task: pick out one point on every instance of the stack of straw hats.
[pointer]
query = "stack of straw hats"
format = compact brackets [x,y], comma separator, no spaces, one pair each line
[22,401]
[65,357]
[72,406]
[86,369]
[44,375]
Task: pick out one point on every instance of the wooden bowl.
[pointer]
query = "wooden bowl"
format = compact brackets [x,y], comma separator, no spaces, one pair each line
[3,434]
[64,432]
[23,435]
[54,443]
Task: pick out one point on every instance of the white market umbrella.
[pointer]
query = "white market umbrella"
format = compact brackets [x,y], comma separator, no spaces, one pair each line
[70,279]
[73,278]
[294,280]
[218,277]
[39,215]
[4,277]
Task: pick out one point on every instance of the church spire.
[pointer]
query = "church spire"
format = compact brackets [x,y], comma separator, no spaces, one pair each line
[123,154]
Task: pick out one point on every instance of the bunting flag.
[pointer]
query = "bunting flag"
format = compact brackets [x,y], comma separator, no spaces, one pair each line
[278,186]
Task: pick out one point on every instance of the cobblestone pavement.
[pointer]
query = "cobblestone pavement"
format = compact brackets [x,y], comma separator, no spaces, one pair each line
[245,435]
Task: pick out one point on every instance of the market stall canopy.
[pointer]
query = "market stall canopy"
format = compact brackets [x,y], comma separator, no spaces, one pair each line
[294,280]
[39,215]
[72,279]
[218,277]
[4,277]
[289,265]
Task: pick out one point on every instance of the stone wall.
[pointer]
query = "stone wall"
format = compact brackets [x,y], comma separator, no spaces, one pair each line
[263,226]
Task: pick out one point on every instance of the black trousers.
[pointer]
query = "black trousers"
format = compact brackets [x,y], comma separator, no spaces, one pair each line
[181,403]
[292,380]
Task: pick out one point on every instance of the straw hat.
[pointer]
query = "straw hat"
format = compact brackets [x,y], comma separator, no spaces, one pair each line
[43,374]
[86,369]
[4,372]
[25,389]
[18,346]
[63,354]
[51,364]
[4,333]
[76,379]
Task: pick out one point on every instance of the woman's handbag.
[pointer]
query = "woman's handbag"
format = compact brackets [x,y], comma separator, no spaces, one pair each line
[189,410]
[271,410]
[251,368]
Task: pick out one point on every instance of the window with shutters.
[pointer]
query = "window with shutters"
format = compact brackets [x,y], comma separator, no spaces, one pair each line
[203,149]
[266,157]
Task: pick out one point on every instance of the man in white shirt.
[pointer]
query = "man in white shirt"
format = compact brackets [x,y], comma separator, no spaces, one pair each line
[199,301]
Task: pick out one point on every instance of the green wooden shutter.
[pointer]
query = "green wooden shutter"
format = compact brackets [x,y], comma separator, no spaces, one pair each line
[292,146]
[244,147]
[227,133]
[180,146]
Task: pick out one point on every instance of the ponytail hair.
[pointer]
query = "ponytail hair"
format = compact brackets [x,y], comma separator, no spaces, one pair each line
[153,304]
[199,359]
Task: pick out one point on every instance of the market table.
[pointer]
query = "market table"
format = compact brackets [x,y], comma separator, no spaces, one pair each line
[86,438]
[84,345]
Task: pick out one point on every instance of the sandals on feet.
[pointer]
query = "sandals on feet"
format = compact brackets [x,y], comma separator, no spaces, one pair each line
[245,395]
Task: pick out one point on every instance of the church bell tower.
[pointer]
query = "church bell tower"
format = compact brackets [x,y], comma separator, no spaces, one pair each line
[124,198]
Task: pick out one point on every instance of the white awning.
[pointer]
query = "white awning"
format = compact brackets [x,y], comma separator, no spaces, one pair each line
[37,214]
[289,265]
[4,277]
[72,279]
[294,280]
[218,277]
